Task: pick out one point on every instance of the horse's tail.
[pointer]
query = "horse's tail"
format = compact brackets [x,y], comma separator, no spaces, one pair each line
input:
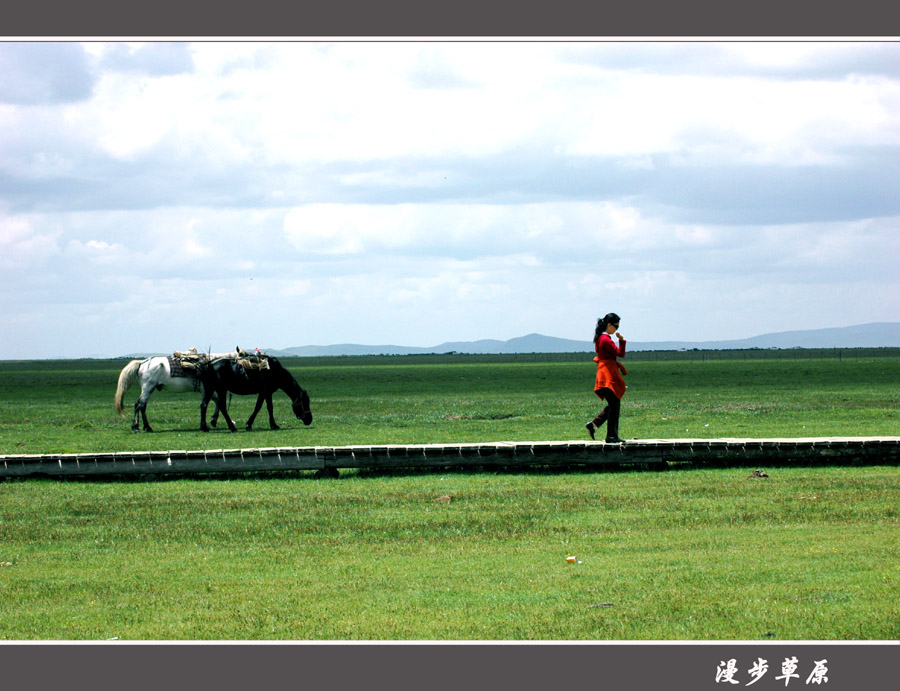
[127,377]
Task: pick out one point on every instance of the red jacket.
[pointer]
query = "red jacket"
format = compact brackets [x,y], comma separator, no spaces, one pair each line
[608,368]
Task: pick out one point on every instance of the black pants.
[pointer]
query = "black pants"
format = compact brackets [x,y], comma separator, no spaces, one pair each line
[610,414]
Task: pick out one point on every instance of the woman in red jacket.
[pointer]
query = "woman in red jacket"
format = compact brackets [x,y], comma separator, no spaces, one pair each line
[609,385]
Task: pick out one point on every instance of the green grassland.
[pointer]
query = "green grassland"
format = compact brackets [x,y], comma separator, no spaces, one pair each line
[694,554]
[59,407]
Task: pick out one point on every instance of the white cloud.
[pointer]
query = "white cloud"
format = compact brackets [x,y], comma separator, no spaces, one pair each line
[464,229]
[299,192]
[23,247]
[617,283]
[95,252]
[450,284]
[710,119]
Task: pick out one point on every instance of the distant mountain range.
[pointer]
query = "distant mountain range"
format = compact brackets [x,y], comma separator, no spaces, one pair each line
[876,335]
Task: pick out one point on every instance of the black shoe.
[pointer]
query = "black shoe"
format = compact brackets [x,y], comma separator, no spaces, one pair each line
[590,428]
[614,440]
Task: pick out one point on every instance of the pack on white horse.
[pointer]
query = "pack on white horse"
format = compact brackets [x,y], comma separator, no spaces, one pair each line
[158,373]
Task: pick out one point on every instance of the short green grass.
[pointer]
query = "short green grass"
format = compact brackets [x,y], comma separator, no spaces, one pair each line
[691,554]
[58,407]
[686,555]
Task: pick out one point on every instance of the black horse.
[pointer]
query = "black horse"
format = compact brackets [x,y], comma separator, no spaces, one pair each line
[263,378]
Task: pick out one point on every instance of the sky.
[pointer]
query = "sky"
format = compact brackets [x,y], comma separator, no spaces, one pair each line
[160,196]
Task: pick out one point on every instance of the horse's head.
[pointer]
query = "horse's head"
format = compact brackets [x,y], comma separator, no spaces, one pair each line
[302,408]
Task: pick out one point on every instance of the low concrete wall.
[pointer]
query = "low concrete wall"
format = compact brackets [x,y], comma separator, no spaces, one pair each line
[328,460]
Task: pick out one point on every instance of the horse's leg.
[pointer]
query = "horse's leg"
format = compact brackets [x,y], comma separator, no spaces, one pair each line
[271,414]
[204,404]
[215,416]
[135,425]
[221,406]
[147,427]
[256,409]
[140,409]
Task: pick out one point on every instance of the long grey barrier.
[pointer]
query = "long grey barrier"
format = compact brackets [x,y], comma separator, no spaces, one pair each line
[328,460]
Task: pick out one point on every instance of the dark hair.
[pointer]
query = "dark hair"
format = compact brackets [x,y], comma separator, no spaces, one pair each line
[603,322]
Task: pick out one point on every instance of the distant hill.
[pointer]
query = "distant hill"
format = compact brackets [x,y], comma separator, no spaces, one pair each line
[876,335]
[533,343]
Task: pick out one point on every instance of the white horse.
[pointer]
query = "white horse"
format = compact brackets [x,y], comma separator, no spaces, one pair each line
[155,374]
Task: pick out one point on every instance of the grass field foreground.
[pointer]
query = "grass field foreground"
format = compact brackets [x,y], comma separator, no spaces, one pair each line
[686,555]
